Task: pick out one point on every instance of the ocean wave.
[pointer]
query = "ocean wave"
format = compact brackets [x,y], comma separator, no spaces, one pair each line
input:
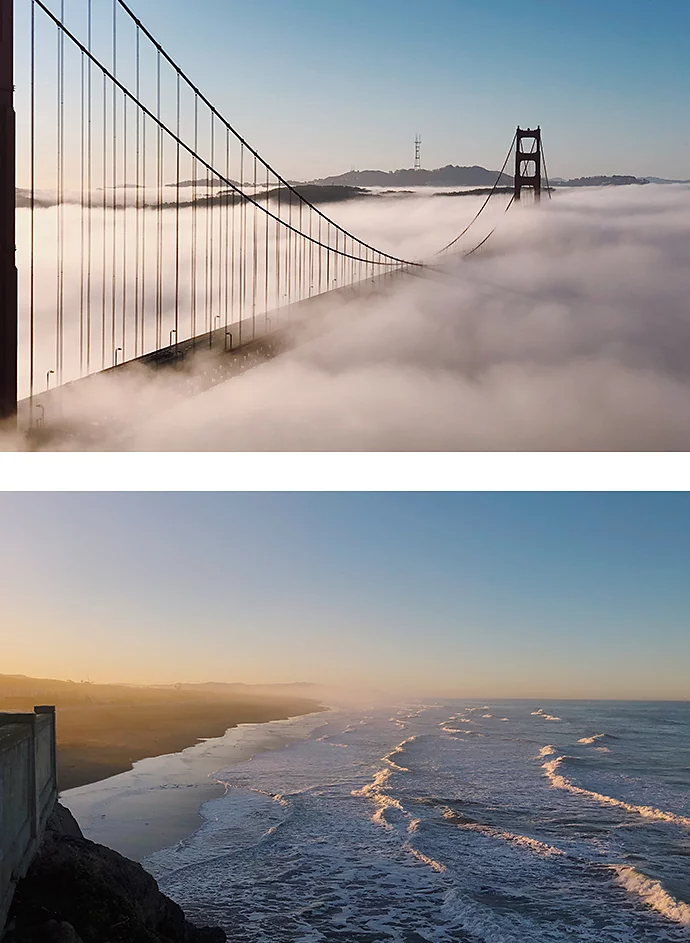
[521,841]
[652,893]
[375,792]
[592,739]
[420,856]
[457,730]
[398,751]
[558,781]
[487,716]
[540,713]
[548,750]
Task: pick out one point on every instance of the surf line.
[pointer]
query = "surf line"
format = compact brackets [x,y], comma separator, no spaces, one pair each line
[377,792]
[558,781]
[651,893]
[490,831]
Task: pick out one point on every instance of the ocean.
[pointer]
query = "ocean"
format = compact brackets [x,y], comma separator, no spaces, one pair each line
[496,822]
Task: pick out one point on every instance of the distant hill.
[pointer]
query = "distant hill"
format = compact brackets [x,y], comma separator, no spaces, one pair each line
[316,193]
[664,180]
[616,180]
[449,176]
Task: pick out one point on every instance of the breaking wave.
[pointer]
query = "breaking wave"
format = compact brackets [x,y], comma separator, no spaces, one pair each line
[522,841]
[551,768]
[420,856]
[652,894]
[398,751]
[540,713]
[375,791]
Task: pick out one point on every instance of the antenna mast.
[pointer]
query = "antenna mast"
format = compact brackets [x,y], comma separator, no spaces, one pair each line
[418,152]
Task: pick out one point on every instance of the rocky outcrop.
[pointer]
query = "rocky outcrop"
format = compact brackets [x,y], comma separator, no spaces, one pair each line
[76,891]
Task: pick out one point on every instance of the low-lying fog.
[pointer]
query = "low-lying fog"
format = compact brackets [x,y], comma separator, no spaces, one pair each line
[570,330]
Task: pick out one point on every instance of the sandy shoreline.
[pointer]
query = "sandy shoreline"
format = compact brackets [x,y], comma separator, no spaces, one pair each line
[156,804]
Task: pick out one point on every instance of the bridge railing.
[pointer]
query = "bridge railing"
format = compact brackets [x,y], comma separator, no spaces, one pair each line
[28,793]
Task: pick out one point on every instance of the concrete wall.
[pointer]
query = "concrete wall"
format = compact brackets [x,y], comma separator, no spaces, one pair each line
[28,793]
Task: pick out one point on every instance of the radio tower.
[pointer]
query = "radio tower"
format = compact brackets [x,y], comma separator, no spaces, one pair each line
[418,152]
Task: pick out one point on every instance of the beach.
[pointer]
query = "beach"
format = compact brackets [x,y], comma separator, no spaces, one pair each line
[157,803]
[102,729]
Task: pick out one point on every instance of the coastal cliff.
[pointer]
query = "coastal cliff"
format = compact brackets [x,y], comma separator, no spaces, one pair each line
[76,891]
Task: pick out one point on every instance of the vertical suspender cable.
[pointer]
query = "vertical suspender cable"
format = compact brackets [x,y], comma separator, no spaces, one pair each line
[138,200]
[32,250]
[89,218]
[114,201]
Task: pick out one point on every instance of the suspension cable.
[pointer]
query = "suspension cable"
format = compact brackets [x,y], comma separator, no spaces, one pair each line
[486,201]
[546,173]
[107,74]
[252,151]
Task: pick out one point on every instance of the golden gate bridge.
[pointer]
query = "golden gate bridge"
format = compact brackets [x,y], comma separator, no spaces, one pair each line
[139,228]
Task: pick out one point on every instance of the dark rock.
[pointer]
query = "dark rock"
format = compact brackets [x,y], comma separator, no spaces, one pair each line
[76,886]
[52,931]
[64,823]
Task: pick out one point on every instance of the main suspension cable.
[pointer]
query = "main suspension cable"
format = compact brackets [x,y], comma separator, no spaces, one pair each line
[486,201]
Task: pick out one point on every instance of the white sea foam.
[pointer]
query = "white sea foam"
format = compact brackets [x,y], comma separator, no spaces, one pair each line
[548,750]
[397,751]
[433,864]
[541,713]
[551,768]
[592,739]
[487,716]
[375,791]
[522,841]
[652,893]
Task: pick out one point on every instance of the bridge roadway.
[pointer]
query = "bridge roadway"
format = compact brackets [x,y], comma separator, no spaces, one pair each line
[196,364]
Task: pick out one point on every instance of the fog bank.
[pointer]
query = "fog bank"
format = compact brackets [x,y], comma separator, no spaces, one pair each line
[568,331]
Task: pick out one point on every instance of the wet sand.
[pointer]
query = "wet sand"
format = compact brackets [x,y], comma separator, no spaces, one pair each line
[156,804]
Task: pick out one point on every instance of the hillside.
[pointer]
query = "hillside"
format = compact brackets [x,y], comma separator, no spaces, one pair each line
[617,180]
[450,176]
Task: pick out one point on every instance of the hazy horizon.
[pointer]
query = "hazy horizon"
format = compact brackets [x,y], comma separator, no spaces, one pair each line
[353,696]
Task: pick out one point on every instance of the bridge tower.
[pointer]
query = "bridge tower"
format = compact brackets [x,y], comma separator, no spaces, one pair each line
[8,270]
[528,162]
[418,152]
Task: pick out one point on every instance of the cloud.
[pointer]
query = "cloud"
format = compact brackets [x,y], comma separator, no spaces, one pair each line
[568,331]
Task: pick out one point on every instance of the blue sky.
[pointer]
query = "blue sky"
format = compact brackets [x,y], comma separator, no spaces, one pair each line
[319,86]
[468,594]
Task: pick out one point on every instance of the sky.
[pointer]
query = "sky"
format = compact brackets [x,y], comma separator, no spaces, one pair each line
[468,594]
[321,87]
